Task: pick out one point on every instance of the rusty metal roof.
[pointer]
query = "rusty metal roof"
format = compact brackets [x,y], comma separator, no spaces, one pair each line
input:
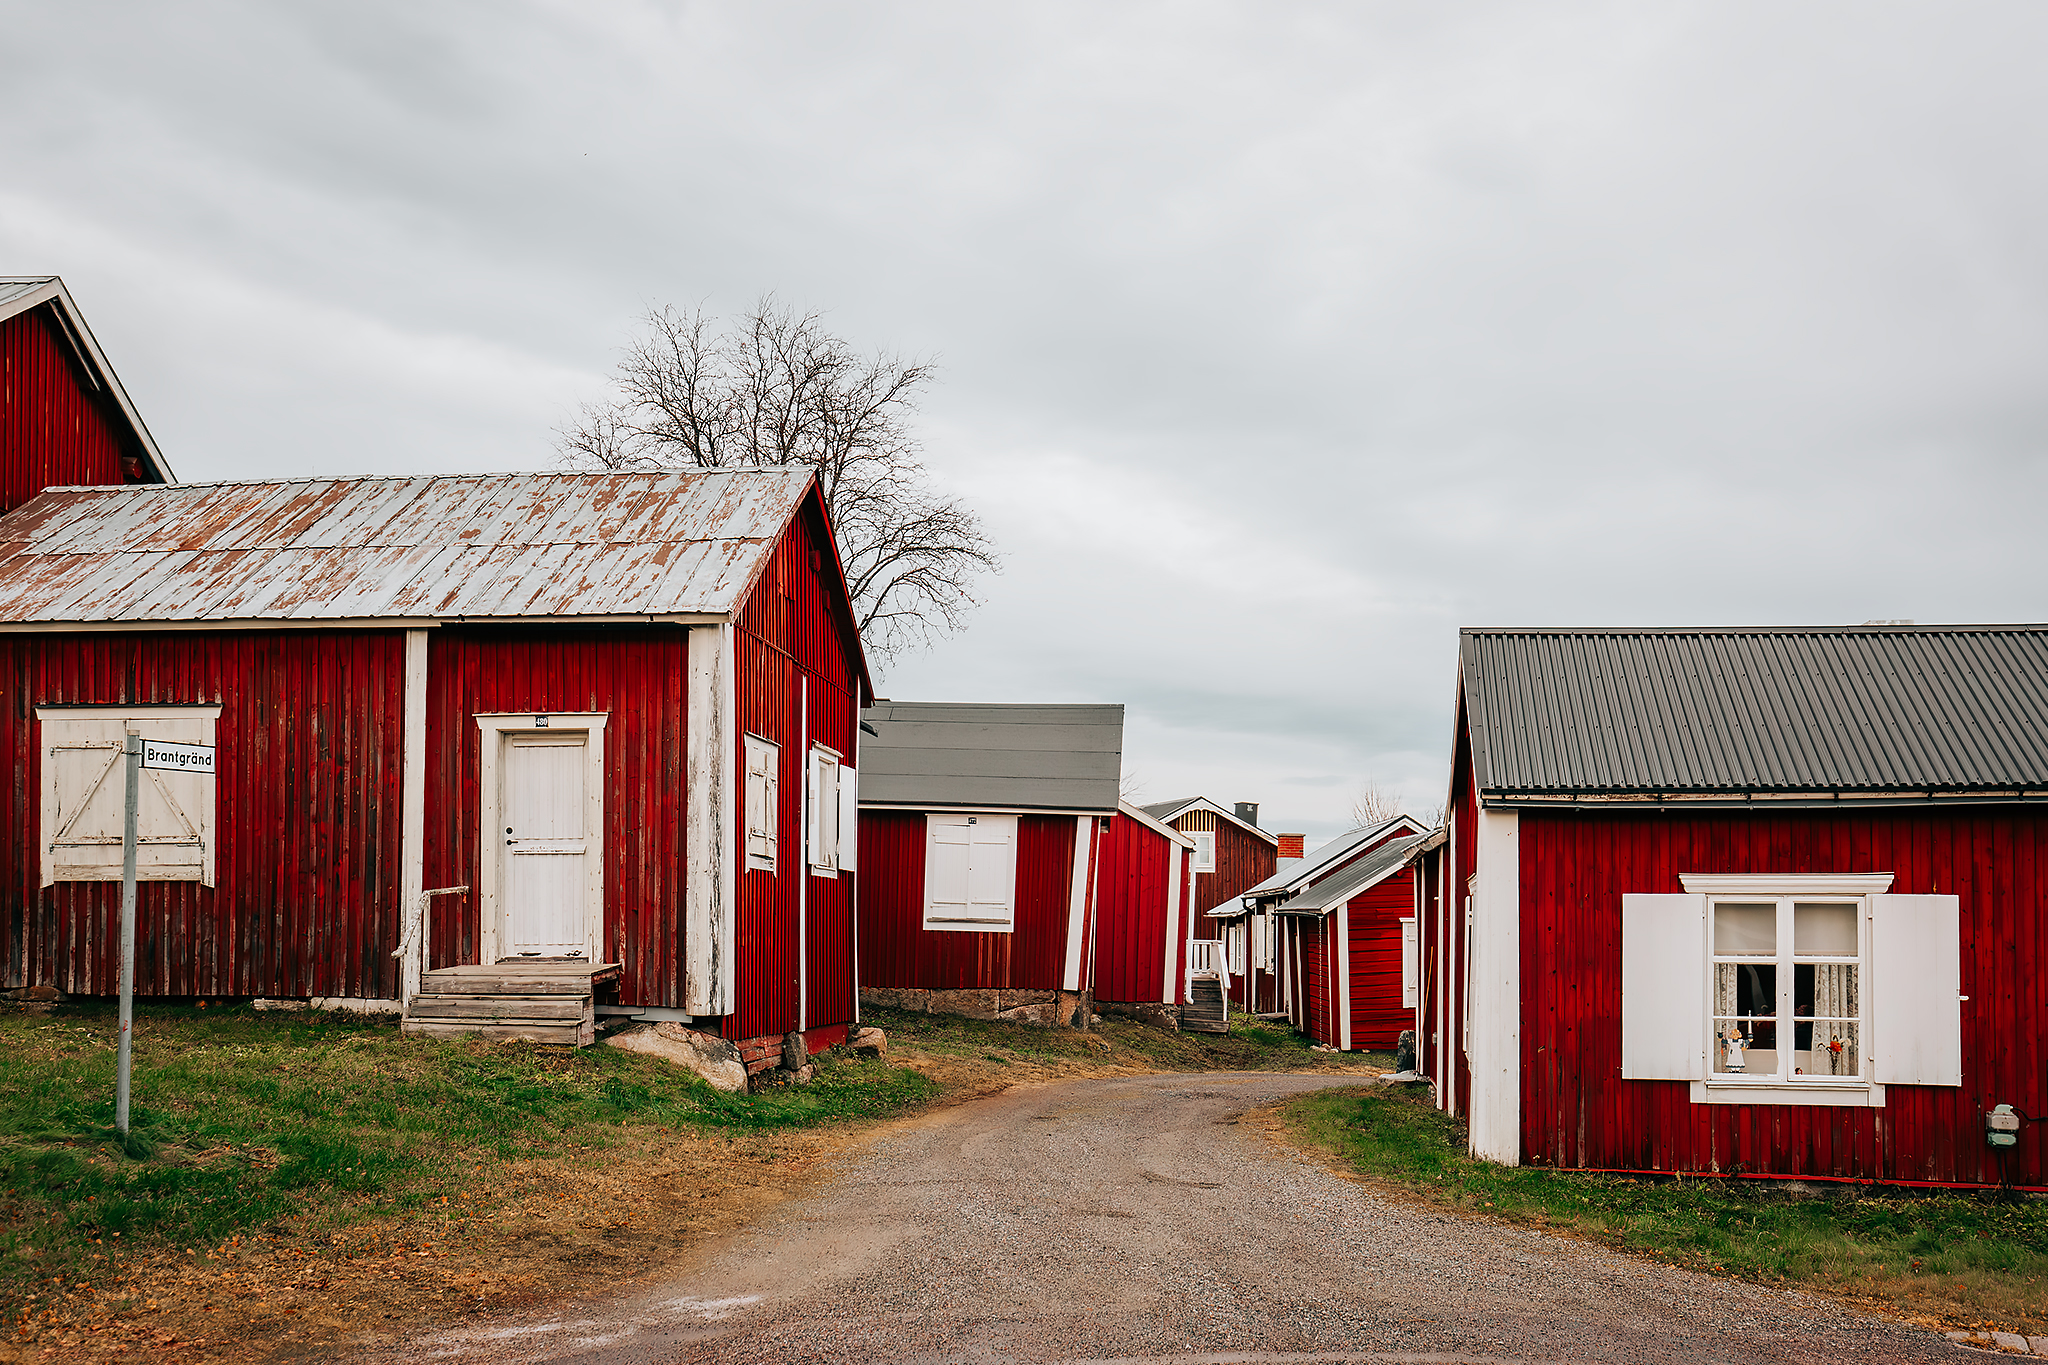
[461,547]
[1727,712]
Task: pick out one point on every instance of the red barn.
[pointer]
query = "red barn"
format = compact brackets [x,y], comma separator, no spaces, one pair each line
[979,831]
[1144,921]
[1745,901]
[620,710]
[64,417]
[1231,855]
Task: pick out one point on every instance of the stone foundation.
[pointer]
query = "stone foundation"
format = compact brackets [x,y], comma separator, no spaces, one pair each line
[1041,1009]
[1144,1011]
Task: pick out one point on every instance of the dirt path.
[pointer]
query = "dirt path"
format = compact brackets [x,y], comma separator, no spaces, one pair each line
[1138,1218]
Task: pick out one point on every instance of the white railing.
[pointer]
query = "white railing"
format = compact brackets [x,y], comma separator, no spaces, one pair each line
[1206,957]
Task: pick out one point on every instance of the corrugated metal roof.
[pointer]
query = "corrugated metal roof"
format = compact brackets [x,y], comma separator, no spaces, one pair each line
[1166,810]
[941,755]
[19,293]
[1295,873]
[1794,710]
[1319,898]
[473,547]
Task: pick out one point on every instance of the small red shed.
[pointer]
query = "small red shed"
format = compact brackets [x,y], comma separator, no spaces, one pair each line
[979,830]
[1353,935]
[1231,855]
[65,420]
[618,709]
[1144,921]
[1766,902]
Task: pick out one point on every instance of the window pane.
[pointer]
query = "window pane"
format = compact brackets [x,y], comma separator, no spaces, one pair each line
[1828,1047]
[1745,928]
[1824,930]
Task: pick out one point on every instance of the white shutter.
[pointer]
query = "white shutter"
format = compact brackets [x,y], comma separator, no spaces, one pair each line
[85,797]
[849,819]
[992,871]
[761,801]
[1410,964]
[1915,1006]
[946,843]
[970,873]
[1663,987]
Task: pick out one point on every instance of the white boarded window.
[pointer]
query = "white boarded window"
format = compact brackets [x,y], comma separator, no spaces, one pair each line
[762,793]
[1411,964]
[1204,855]
[970,873]
[822,812]
[84,796]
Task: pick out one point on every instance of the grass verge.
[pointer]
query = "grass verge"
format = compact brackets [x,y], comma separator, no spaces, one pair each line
[310,1136]
[1948,1260]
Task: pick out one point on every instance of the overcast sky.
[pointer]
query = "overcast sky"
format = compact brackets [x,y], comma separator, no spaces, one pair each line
[1277,341]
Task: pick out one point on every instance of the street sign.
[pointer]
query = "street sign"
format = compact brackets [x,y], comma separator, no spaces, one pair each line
[177,758]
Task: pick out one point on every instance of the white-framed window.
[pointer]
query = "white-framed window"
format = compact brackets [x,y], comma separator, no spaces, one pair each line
[1411,963]
[831,813]
[1203,859]
[1234,938]
[1794,989]
[85,791]
[763,803]
[970,873]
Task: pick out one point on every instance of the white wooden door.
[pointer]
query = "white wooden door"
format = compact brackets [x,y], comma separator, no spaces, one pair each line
[546,885]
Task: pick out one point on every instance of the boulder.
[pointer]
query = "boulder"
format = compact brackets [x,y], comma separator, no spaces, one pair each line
[869,1042]
[795,1056]
[713,1058]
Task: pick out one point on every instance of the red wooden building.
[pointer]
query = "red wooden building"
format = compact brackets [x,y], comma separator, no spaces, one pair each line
[1144,921]
[618,709]
[1747,902]
[980,827]
[1231,855]
[1350,942]
[64,417]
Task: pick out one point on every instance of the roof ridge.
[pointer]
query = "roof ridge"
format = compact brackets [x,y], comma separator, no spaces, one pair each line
[409,478]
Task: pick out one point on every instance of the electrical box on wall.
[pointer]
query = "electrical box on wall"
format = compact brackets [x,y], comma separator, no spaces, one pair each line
[2002,1126]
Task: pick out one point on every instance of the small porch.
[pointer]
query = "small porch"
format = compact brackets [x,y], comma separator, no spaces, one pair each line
[1207,1008]
[536,1000]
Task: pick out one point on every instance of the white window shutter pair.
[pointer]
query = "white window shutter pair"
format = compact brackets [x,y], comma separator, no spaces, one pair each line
[1914,1009]
[1411,964]
[762,802]
[85,789]
[827,831]
[849,819]
[970,872]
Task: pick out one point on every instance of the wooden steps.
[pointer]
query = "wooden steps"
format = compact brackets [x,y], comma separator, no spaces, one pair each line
[1207,1013]
[538,1000]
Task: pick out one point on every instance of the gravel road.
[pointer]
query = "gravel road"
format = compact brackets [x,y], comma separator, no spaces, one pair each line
[1136,1219]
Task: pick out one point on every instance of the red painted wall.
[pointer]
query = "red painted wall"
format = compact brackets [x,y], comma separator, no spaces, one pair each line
[896,951]
[1577,1111]
[54,428]
[1131,893]
[1377,1015]
[306,825]
[1312,941]
[638,677]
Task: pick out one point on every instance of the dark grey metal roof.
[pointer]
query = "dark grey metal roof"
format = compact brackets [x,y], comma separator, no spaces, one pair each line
[1816,711]
[1319,898]
[1166,810]
[945,755]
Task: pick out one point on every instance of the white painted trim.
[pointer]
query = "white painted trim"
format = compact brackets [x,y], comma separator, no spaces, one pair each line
[813,814]
[128,713]
[1343,989]
[1783,886]
[1077,901]
[1496,1002]
[1204,803]
[1167,831]
[412,820]
[1170,978]
[495,729]
[709,874]
[1853,1095]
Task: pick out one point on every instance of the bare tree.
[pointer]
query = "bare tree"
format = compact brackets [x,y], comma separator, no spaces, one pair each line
[776,387]
[1374,805]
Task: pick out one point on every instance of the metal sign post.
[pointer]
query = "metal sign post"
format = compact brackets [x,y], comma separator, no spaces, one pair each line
[137,754]
[131,749]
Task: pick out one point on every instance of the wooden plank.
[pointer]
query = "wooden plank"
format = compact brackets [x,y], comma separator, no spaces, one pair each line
[522,1007]
[569,1034]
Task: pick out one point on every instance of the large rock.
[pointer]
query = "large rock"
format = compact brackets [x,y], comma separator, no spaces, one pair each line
[795,1055]
[869,1042]
[713,1058]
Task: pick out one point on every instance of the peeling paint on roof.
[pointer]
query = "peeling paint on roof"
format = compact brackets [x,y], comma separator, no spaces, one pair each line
[472,547]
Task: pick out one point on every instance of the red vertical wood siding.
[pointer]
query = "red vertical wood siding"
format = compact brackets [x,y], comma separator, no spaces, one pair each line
[797,676]
[55,429]
[1377,1015]
[638,678]
[1243,860]
[1130,903]
[898,952]
[305,825]
[1311,936]
[1577,1111]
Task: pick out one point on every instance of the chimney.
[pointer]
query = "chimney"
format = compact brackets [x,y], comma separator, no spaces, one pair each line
[1290,845]
[1248,811]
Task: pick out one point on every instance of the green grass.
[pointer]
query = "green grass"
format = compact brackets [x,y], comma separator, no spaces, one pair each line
[1964,1259]
[1251,1045]
[243,1121]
